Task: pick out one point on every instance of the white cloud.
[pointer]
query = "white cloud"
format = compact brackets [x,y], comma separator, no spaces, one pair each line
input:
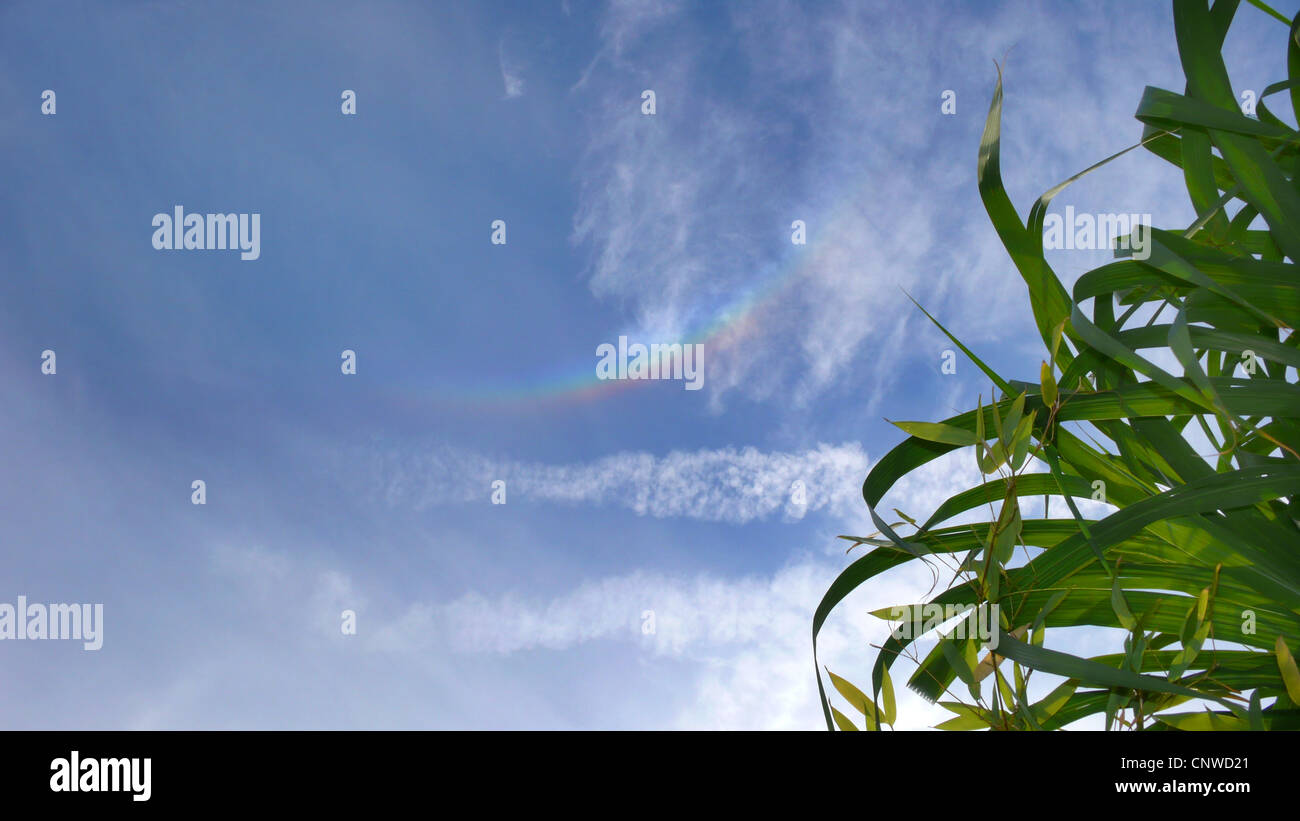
[725,485]
[685,210]
[745,641]
[739,648]
[824,121]
[511,74]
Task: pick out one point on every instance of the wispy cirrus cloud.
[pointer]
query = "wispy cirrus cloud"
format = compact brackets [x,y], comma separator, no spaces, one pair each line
[743,640]
[738,647]
[822,120]
[511,73]
[720,485]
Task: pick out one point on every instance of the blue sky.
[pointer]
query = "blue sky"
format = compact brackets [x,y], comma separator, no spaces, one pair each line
[371,492]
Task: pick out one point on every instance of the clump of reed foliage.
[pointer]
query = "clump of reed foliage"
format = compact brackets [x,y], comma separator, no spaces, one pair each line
[1199,561]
